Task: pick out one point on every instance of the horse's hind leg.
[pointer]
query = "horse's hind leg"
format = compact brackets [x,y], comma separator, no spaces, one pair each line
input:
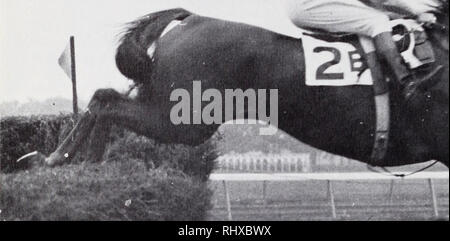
[98,139]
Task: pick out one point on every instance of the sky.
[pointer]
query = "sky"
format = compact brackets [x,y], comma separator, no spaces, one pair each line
[33,34]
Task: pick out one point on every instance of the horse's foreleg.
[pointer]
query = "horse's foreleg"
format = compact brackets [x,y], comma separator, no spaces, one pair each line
[66,150]
[107,107]
[92,118]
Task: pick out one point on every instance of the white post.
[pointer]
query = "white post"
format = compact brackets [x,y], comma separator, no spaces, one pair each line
[227,199]
[331,195]
[265,192]
[391,192]
[433,198]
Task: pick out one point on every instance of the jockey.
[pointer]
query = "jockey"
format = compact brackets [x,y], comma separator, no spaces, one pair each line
[368,19]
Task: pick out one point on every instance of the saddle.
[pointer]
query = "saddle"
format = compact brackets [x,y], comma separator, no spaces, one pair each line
[418,54]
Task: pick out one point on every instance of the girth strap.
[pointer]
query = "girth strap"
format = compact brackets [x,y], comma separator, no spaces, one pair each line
[382,109]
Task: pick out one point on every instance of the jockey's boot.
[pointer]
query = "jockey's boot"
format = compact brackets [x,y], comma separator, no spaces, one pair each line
[380,84]
[409,83]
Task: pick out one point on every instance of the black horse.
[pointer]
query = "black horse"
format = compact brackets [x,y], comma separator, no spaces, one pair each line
[226,55]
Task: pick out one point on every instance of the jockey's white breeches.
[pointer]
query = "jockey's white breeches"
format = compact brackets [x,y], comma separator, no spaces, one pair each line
[349,16]
[335,16]
[352,16]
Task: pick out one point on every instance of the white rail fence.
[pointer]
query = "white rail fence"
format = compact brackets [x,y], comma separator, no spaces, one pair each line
[259,167]
[329,178]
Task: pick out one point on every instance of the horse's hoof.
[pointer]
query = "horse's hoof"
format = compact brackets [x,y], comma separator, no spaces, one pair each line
[53,160]
[38,160]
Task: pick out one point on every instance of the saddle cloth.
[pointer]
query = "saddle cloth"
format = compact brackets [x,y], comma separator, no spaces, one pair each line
[334,61]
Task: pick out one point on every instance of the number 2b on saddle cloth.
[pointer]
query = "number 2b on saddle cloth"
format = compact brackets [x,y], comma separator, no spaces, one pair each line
[334,61]
[339,60]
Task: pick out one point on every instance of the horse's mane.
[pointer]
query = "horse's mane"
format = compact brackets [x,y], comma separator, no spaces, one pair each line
[442,14]
[438,32]
[444,7]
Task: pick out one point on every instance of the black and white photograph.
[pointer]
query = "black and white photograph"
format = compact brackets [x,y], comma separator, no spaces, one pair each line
[224,110]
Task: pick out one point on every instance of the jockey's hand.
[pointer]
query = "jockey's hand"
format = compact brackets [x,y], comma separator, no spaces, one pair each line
[427,19]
